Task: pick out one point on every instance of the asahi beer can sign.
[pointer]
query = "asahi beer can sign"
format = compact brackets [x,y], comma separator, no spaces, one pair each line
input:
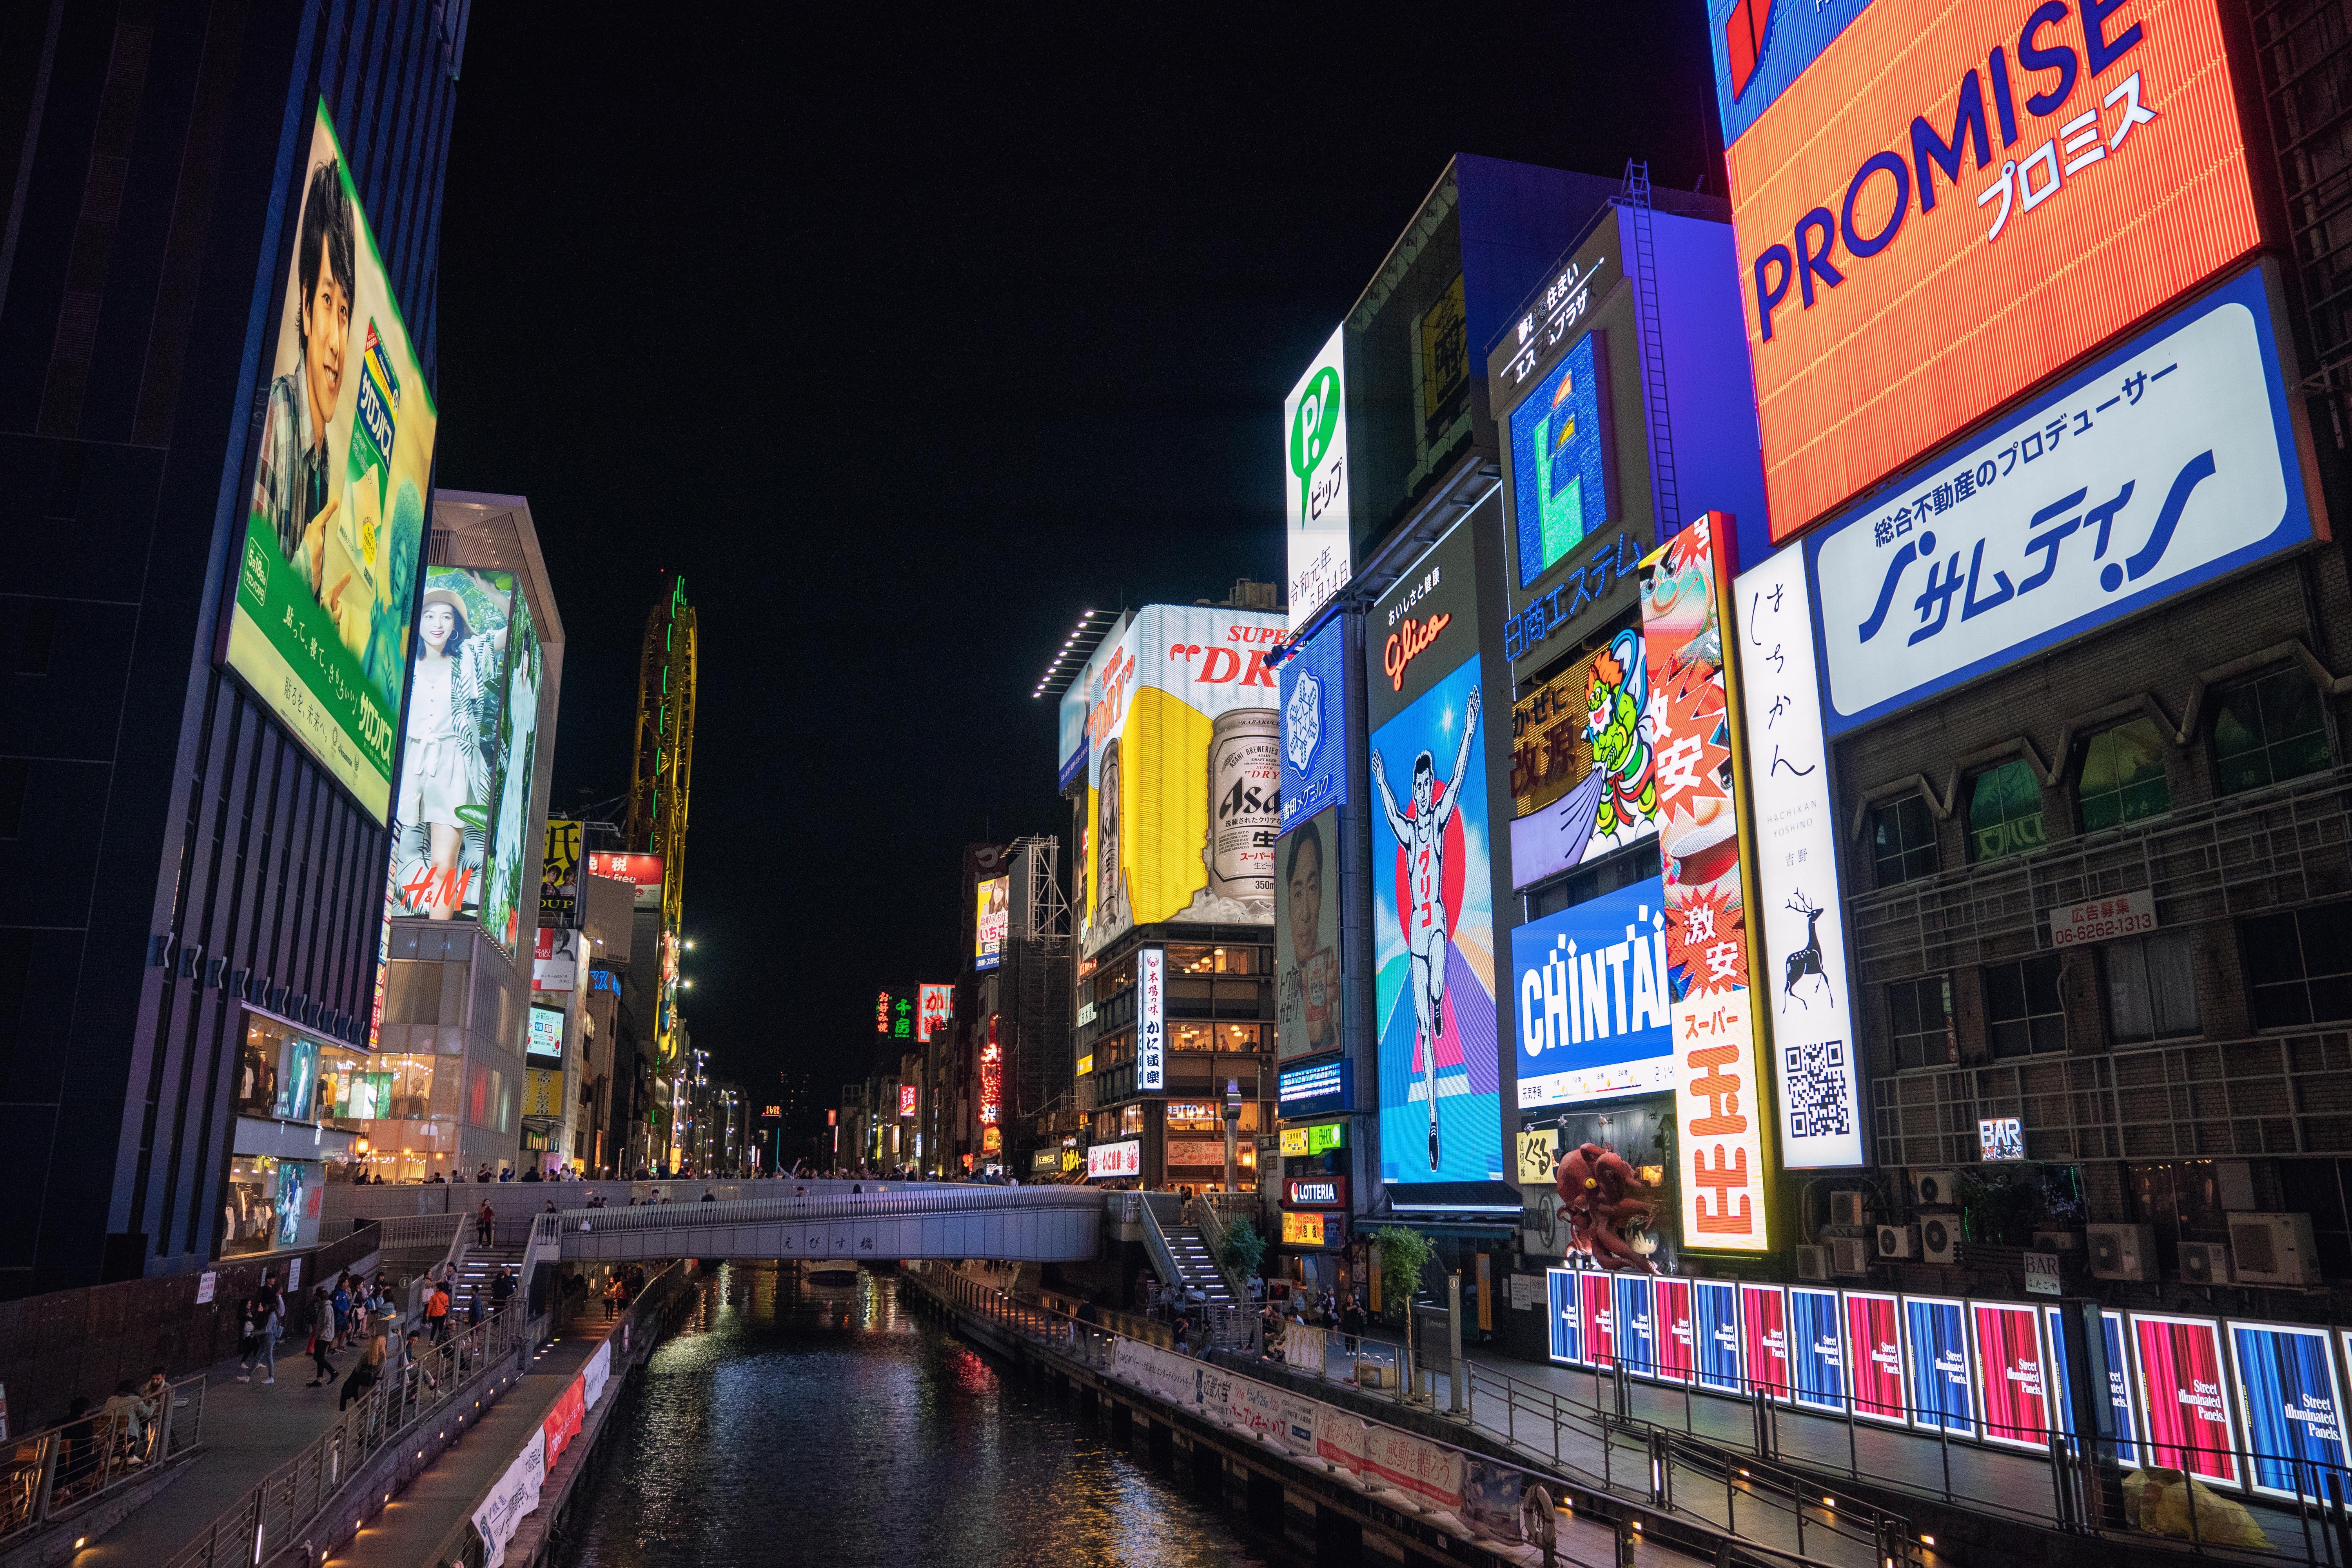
[1244,807]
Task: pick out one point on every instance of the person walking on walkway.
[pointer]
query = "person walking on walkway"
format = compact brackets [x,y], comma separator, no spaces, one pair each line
[322,1336]
[437,1312]
[365,1376]
[482,1222]
[502,1289]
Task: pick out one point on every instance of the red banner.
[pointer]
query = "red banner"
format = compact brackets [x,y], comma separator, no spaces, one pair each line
[1676,1360]
[1874,1355]
[562,1423]
[2009,1374]
[1597,1296]
[2181,1391]
[1764,1338]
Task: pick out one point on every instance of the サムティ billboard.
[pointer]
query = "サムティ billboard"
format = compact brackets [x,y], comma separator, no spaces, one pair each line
[449,768]
[1183,774]
[1939,203]
[341,465]
[1308,987]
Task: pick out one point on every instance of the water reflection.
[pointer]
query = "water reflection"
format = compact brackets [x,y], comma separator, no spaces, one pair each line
[795,1423]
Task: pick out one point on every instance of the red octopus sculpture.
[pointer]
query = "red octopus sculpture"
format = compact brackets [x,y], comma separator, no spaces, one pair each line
[1604,1200]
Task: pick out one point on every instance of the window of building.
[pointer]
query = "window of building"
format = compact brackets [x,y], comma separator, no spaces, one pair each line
[2004,811]
[2151,987]
[1131,1120]
[2266,729]
[1902,841]
[1234,960]
[2122,776]
[2299,965]
[2022,1014]
[1921,1013]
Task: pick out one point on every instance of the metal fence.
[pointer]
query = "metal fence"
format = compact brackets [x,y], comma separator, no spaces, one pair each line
[301,1490]
[1640,1462]
[52,1475]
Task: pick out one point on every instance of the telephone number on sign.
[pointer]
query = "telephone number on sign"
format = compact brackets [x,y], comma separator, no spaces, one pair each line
[2102,929]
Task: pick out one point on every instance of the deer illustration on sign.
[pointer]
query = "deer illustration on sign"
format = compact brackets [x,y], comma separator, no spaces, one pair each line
[1806,960]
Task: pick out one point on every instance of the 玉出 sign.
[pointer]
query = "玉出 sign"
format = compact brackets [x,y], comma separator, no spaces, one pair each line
[1939,202]
[2103,920]
[2164,464]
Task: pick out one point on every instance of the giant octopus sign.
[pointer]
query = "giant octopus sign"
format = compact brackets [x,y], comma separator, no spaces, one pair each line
[1609,1208]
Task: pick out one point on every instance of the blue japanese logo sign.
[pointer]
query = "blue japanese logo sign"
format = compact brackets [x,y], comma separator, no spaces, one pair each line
[1315,724]
[1593,987]
[2168,463]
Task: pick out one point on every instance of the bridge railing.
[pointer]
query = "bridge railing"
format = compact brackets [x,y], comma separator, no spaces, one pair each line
[889,1199]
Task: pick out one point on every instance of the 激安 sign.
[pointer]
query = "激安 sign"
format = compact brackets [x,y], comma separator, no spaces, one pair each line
[2103,920]
[1109,1160]
[2164,464]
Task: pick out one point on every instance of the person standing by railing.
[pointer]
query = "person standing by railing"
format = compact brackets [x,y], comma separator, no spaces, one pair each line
[322,1334]
[483,1220]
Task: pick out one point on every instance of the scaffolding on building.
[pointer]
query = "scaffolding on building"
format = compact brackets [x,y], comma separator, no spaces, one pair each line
[1035,996]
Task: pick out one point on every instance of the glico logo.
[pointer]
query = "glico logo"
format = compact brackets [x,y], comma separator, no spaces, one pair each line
[2041,82]
[1407,643]
[1311,429]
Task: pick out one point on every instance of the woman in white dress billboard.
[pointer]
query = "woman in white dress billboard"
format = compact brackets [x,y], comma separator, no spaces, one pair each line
[445,778]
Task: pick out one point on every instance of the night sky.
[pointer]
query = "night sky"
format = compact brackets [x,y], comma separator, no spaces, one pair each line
[906,344]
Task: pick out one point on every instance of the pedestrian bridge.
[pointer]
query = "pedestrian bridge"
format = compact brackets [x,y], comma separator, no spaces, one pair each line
[890,1220]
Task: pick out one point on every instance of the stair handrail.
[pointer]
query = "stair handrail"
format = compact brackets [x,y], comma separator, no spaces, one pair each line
[1163,1257]
[1202,1215]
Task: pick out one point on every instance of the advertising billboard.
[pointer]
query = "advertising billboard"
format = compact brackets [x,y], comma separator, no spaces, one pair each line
[511,826]
[1076,702]
[558,874]
[546,1038]
[2119,1382]
[449,768]
[1183,774]
[1151,1018]
[1315,1089]
[1584,761]
[1764,1338]
[1874,1339]
[542,1092]
[2164,464]
[1310,992]
[1632,1307]
[2178,1360]
[1714,1334]
[1939,203]
[643,872]
[1108,1161]
[2010,1376]
[1816,1350]
[1314,484]
[1567,1323]
[1593,990]
[341,465]
[992,918]
[2292,1406]
[1315,749]
[1718,1099]
[1815,1054]
[555,961]
[934,1011]
[906,1099]
[1564,458]
[1432,904]
[1936,1351]
[1597,1302]
[1677,1331]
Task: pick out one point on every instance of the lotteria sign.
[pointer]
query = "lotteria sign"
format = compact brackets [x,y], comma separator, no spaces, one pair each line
[1939,203]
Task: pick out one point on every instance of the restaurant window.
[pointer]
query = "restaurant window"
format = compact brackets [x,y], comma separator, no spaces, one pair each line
[2022,1014]
[2151,987]
[2266,729]
[2004,811]
[1238,959]
[2299,966]
[1131,1120]
[2122,776]
[1902,841]
[1920,1014]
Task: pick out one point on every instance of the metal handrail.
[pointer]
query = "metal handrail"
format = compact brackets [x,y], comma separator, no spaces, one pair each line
[1205,1218]
[884,1200]
[407,1232]
[1155,1243]
[301,1490]
[59,1471]
[1094,1346]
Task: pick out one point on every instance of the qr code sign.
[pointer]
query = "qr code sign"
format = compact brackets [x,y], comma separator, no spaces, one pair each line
[1818,1106]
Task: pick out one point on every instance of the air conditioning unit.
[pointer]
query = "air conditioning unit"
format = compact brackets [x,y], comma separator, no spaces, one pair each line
[2274,1249]
[1849,1255]
[1812,1262]
[1940,1238]
[2204,1262]
[2123,1251]
[1846,1209]
[1898,1241]
[2057,1241]
[1936,1189]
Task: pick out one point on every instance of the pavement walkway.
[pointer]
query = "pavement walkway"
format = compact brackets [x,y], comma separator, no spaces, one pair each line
[416,1522]
[249,1430]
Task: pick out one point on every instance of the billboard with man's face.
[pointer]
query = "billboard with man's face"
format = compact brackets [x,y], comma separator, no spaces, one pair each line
[341,465]
[1183,774]
[1308,982]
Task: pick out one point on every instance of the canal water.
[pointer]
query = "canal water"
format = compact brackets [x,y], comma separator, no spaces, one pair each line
[795,1423]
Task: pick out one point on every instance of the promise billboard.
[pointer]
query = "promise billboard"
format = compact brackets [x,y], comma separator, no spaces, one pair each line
[1941,202]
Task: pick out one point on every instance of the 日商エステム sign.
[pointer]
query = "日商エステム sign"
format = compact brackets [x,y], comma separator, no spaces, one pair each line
[1939,203]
